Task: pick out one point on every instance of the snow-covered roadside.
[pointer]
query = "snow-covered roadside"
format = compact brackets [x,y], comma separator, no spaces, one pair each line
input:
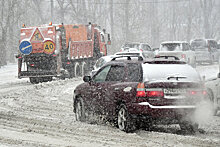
[8,74]
[209,71]
[41,115]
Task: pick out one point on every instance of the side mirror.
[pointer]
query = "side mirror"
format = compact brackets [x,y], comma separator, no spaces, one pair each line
[87,78]
[218,76]
[109,40]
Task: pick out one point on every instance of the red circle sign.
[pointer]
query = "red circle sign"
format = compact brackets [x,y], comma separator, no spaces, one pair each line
[49,47]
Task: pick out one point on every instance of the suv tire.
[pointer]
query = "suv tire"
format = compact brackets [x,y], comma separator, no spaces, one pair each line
[80,110]
[124,120]
[189,127]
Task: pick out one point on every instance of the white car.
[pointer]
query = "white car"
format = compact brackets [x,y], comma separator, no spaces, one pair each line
[180,49]
[213,92]
[130,45]
[136,52]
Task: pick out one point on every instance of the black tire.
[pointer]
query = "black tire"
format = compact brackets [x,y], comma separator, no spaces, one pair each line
[34,80]
[189,127]
[211,98]
[78,69]
[124,120]
[80,110]
[85,69]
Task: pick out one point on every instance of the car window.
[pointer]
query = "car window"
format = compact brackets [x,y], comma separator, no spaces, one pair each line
[170,47]
[133,73]
[116,73]
[101,76]
[99,63]
[185,47]
[131,45]
[212,44]
[145,47]
[198,43]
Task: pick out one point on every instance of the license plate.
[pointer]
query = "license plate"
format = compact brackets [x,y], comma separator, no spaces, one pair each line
[175,91]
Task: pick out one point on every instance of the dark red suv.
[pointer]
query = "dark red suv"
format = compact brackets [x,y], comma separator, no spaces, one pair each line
[134,93]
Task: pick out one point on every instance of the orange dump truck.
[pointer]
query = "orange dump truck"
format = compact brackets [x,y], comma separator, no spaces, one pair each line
[60,50]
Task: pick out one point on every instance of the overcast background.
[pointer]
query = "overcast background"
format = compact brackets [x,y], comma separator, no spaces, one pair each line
[150,21]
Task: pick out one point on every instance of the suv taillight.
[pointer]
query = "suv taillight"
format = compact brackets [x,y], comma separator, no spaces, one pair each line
[152,94]
[141,90]
[148,93]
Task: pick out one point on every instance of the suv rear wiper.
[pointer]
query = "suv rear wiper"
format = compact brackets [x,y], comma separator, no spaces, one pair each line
[175,77]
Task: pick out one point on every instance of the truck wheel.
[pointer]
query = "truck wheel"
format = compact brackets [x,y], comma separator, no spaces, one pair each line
[77,70]
[85,69]
[34,80]
[124,121]
[80,110]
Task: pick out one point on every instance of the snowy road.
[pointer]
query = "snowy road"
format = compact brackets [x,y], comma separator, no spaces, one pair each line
[41,115]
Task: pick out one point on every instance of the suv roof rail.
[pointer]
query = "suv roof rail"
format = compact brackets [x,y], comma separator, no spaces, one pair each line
[128,57]
[167,57]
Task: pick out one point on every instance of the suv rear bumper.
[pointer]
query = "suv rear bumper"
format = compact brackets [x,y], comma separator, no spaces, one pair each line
[168,107]
[168,111]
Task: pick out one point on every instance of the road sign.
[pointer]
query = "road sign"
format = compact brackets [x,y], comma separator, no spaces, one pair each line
[37,36]
[25,47]
[49,47]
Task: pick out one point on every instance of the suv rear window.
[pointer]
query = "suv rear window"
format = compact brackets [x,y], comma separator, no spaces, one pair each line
[170,47]
[134,72]
[162,72]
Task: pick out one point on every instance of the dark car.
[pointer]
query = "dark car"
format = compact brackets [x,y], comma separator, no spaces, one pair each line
[136,93]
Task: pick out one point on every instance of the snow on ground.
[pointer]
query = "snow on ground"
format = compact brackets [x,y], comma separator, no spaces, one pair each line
[8,74]
[42,115]
[209,71]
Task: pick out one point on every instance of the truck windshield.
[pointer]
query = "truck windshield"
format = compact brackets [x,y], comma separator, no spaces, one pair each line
[170,47]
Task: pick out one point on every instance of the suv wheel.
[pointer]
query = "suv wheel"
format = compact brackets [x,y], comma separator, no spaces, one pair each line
[80,110]
[189,127]
[124,121]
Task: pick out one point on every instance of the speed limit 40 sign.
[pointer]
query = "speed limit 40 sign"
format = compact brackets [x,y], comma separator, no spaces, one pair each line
[49,47]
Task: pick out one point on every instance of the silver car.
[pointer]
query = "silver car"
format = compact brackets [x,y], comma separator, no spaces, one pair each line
[205,50]
[180,49]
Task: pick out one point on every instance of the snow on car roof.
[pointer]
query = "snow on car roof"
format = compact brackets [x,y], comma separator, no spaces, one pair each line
[129,50]
[161,72]
[165,42]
